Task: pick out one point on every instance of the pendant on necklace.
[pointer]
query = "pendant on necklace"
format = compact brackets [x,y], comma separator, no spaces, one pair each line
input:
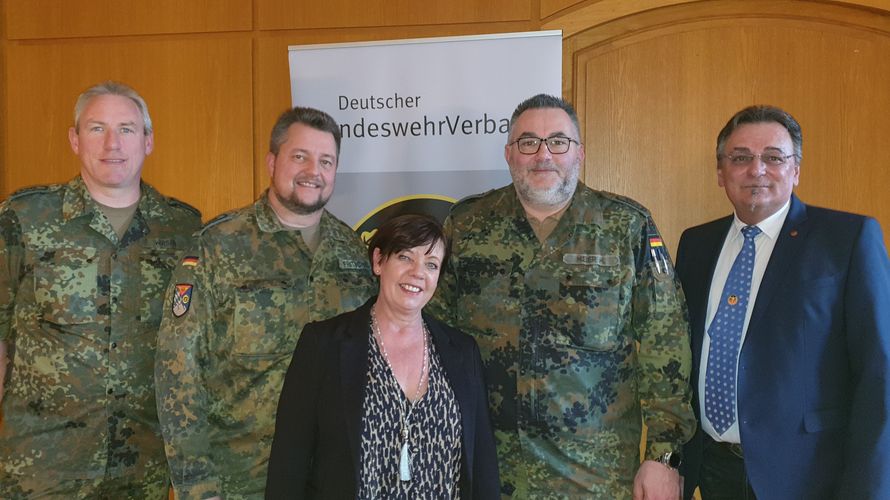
[405,463]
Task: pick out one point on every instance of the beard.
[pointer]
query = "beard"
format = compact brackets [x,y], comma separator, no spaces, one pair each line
[294,204]
[557,194]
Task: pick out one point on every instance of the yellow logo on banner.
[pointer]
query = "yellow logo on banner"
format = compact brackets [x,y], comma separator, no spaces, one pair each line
[434,205]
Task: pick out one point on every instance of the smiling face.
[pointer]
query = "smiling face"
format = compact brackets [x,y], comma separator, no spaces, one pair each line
[758,190]
[408,278]
[111,143]
[544,179]
[303,170]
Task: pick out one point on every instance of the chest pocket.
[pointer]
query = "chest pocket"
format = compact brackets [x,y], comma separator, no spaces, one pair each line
[155,267]
[592,303]
[65,285]
[488,297]
[261,325]
[339,289]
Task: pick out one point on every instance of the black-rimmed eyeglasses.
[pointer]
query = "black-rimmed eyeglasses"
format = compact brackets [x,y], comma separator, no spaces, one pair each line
[557,145]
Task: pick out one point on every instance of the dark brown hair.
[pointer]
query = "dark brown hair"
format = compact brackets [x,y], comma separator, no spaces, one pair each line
[407,231]
[545,101]
[311,117]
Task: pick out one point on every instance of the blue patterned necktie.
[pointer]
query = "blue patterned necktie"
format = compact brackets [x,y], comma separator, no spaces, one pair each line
[726,336]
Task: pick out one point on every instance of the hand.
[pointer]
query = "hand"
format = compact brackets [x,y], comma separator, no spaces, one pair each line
[655,481]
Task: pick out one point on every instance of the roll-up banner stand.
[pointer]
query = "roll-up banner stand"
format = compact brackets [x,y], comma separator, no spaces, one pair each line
[424,121]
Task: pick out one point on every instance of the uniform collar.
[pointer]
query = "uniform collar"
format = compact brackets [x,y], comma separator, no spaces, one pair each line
[265,216]
[77,201]
[268,222]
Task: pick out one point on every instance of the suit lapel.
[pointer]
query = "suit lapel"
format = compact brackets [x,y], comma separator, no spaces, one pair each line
[354,376]
[788,246]
[708,254]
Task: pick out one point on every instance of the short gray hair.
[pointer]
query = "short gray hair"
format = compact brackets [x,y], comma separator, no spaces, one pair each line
[112,88]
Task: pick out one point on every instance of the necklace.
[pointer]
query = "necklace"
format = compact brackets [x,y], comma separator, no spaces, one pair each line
[405,416]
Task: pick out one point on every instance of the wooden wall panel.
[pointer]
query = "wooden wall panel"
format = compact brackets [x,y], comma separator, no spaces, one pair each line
[551,7]
[597,12]
[4,114]
[284,14]
[653,95]
[198,92]
[32,19]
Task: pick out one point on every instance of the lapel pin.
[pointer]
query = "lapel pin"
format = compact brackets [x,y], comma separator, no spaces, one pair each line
[794,233]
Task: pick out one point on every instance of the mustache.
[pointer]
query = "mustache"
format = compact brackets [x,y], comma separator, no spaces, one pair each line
[548,165]
[313,179]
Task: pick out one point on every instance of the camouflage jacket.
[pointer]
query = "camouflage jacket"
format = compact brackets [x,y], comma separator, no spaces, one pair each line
[583,338]
[235,309]
[81,310]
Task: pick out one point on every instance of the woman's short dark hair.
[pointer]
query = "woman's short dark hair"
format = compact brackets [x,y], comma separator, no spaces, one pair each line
[407,231]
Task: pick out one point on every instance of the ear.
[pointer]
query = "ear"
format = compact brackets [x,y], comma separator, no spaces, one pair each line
[270,163]
[796,173]
[581,154]
[720,176]
[149,143]
[377,258]
[74,140]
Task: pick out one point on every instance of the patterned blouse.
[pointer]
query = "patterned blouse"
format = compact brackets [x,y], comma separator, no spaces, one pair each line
[434,435]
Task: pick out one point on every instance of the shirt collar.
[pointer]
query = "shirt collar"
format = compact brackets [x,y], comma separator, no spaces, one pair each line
[771,226]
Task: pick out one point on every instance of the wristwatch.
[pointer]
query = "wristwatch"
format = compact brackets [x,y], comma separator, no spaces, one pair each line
[671,459]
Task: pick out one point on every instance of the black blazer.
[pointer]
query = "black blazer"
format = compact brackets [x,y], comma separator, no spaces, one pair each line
[317,444]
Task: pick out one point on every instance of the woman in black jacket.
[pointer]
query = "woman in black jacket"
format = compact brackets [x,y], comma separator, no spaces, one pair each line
[385,401]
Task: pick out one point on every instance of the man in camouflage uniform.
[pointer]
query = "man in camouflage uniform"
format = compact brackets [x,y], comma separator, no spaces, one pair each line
[237,305]
[571,296]
[83,269]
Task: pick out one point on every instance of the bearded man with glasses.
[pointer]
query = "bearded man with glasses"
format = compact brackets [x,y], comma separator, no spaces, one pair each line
[572,298]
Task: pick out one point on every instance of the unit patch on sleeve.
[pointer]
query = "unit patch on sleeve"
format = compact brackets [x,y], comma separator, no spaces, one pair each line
[182,299]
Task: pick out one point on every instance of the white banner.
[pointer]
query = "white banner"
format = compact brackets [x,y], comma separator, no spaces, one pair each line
[422,119]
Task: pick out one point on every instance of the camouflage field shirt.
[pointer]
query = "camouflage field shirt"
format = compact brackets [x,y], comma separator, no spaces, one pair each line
[583,337]
[234,312]
[82,310]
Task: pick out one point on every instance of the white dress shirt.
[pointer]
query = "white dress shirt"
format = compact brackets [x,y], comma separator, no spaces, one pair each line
[763,248]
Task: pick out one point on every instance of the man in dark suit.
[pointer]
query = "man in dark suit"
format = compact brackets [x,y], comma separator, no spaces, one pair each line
[791,343]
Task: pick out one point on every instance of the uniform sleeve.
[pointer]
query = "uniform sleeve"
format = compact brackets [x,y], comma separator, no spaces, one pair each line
[661,328]
[181,372]
[11,252]
[866,471]
[442,303]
